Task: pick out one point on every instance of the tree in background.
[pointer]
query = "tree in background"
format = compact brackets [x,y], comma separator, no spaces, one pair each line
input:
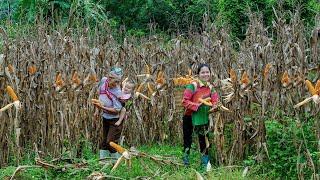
[170,16]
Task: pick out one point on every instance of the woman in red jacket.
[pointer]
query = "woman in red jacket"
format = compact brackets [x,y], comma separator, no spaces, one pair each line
[196,116]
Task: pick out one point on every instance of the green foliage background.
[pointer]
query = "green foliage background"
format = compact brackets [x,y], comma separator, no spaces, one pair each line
[170,16]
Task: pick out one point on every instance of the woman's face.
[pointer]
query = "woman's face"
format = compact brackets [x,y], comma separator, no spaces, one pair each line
[204,74]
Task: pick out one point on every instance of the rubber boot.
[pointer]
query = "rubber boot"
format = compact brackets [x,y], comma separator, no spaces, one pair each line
[102,155]
[185,159]
[205,162]
[115,155]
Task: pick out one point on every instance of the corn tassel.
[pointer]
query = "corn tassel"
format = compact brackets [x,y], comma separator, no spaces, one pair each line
[11,93]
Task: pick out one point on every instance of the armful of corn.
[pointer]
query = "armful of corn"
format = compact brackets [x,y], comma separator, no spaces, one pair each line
[208,103]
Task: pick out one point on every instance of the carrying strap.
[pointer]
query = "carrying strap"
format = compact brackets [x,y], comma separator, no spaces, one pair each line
[106,91]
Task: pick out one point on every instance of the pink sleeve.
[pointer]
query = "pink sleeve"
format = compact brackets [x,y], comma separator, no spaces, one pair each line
[214,98]
[186,101]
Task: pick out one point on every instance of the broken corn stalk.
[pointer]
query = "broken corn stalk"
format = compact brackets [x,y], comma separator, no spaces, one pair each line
[302,102]
[140,87]
[137,94]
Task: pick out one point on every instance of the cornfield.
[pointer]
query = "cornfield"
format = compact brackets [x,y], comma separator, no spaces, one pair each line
[54,74]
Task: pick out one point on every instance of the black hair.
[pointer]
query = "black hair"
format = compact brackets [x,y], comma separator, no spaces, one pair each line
[201,66]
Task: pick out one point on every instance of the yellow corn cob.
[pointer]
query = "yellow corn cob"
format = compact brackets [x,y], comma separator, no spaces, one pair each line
[117,147]
[11,69]
[311,88]
[95,100]
[75,78]
[285,80]
[93,78]
[245,78]
[11,93]
[317,87]
[160,78]
[233,75]
[266,70]
[59,81]
[160,81]
[176,81]
[32,69]
[205,102]
[160,75]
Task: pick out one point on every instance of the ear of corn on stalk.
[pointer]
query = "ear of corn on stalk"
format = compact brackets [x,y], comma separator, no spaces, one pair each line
[285,80]
[233,75]
[244,79]
[75,78]
[266,70]
[11,69]
[32,69]
[11,93]
[311,88]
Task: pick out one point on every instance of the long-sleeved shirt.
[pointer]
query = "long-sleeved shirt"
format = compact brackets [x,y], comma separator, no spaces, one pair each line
[199,112]
[109,98]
